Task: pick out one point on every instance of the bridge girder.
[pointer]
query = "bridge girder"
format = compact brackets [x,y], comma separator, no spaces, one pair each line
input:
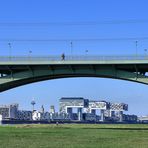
[30,75]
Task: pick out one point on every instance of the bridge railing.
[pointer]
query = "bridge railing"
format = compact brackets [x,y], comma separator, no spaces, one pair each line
[72,58]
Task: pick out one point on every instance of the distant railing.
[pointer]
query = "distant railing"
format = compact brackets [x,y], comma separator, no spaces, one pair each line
[72,58]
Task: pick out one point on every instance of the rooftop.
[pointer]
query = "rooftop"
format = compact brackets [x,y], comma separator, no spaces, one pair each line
[72,98]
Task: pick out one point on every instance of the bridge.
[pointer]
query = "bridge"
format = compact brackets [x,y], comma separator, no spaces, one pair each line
[21,70]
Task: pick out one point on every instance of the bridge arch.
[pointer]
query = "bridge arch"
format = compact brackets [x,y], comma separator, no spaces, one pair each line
[15,79]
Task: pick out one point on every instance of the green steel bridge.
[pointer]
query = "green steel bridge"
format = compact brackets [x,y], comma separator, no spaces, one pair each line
[17,71]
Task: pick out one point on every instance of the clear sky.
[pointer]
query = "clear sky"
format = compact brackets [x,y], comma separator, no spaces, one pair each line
[36,21]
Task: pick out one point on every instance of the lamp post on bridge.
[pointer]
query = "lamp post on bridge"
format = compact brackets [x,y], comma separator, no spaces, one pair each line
[145,50]
[136,48]
[86,52]
[9,44]
[29,55]
[71,47]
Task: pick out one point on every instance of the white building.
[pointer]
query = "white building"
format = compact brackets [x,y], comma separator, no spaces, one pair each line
[1,118]
[40,116]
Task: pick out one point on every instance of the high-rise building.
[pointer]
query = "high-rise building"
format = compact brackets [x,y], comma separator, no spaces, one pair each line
[9,111]
[52,109]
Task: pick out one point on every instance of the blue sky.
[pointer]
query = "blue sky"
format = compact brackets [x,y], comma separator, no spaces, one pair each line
[18,16]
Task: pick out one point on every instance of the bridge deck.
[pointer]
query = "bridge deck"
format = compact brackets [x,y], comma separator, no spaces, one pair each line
[54,60]
[17,71]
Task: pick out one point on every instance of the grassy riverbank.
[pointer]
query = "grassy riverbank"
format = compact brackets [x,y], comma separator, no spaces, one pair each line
[74,136]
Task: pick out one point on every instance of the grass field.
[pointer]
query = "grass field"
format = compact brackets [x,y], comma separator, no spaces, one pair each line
[74,136]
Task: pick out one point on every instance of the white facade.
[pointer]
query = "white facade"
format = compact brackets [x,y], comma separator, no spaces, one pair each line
[36,116]
[1,118]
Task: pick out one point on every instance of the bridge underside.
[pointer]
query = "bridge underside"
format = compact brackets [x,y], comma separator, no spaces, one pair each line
[12,76]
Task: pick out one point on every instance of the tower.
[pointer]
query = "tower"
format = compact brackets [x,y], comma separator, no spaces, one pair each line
[33,103]
[42,109]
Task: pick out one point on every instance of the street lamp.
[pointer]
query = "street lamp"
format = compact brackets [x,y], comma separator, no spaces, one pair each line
[29,56]
[9,44]
[71,46]
[145,50]
[136,48]
[86,52]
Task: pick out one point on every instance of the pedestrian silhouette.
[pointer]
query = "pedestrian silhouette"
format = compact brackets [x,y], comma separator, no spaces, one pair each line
[63,57]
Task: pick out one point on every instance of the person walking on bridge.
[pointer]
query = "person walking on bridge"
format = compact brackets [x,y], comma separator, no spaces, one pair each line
[63,56]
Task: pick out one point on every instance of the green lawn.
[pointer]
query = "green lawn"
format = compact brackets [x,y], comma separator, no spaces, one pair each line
[74,136]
